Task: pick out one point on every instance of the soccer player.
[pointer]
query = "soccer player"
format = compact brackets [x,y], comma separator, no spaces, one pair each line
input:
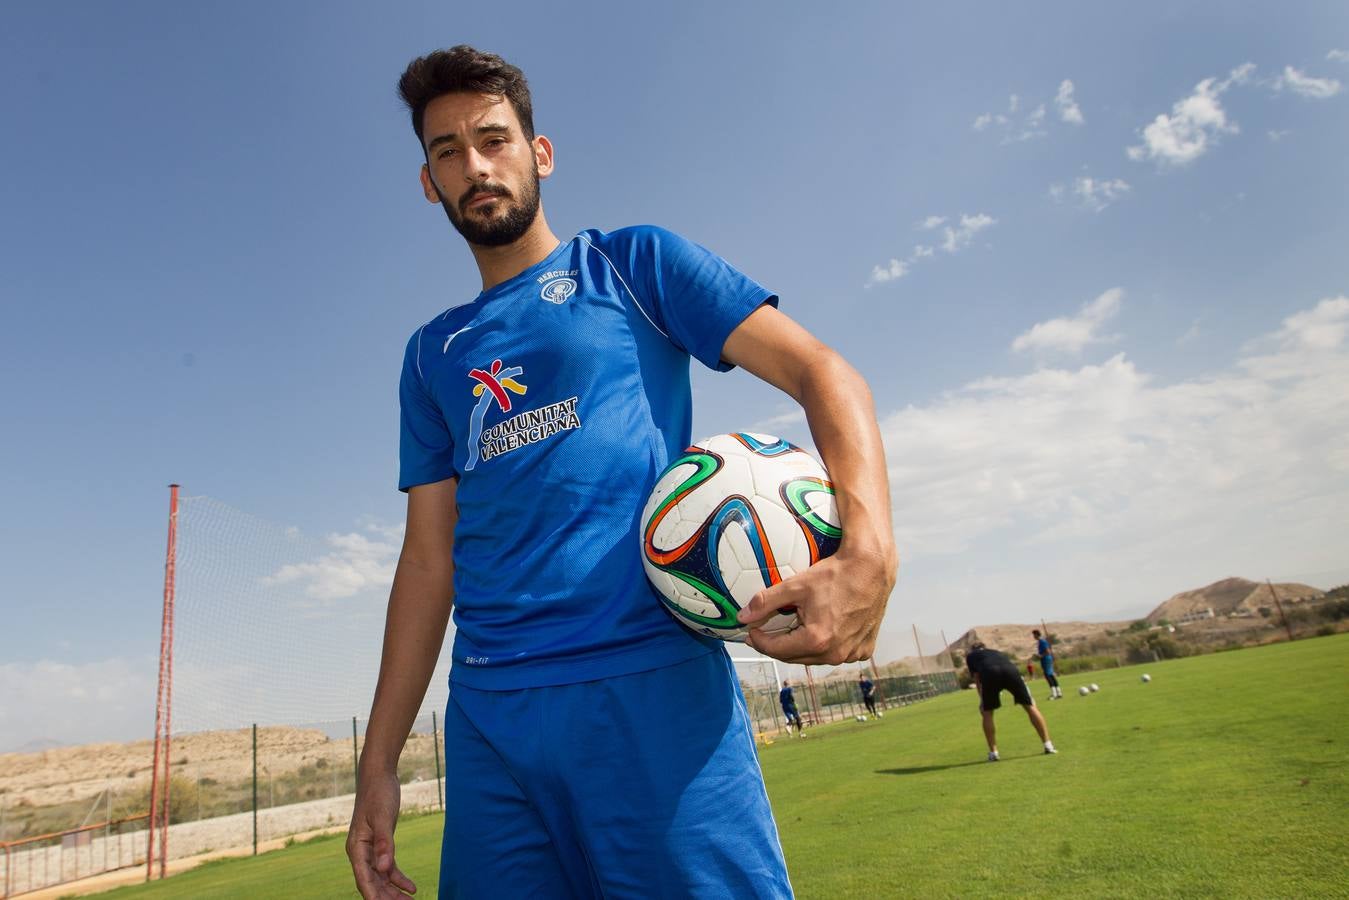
[994,673]
[1045,651]
[788,702]
[868,694]
[593,744]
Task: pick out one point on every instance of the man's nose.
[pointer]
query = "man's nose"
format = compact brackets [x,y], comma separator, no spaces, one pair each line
[475,166]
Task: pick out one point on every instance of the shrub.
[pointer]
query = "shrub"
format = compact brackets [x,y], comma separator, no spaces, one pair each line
[1085,664]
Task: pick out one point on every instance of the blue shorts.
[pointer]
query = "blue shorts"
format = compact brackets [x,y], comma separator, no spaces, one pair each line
[1047,666]
[644,785]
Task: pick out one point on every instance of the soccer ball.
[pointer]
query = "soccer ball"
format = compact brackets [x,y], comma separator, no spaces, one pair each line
[734,514]
[1084,690]
[1146,678]
[1094,687]
[861,718]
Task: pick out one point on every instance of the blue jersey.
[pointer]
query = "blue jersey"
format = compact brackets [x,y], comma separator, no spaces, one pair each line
[1042,647]
[786,699]
[556,398]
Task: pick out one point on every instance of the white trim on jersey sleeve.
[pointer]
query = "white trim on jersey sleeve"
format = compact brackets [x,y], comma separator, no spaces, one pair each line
[621,281]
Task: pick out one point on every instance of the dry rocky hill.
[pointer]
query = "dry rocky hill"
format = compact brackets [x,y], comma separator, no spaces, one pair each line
[1230,597]
[71,773]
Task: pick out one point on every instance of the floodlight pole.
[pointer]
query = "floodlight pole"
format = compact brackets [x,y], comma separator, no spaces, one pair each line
[163,701]
[1275,594]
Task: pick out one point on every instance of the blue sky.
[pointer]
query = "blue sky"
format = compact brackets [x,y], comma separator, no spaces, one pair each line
[1091,261]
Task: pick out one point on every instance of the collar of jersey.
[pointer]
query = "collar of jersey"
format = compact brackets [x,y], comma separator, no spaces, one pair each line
[515,281]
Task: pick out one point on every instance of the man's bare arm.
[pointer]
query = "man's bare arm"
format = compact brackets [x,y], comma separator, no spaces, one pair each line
[840,601]
[414,629]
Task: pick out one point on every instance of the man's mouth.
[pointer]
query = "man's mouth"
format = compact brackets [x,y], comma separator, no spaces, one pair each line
[481,199]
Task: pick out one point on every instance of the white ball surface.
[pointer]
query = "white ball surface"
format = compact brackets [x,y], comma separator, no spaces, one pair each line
[1095,688]
[1146,678]
[1084,691]
[734,514]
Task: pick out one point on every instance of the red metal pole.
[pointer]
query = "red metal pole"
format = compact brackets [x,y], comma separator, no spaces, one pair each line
[170,584]
[161,700]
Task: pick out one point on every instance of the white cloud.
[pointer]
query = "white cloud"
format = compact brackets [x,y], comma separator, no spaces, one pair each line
[1194,125]
[1279,135]
[1190,334]
[960,237]
[109,699]
[983,121]
[1306,86]
[357,563]
[893,272]
[1245,465]
[1338,56]
[955,237]
[1321,328]
[1091,193]
[1071,335]
[1069,111]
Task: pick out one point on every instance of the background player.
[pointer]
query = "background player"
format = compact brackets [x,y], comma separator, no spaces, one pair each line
[1045,651]
[868,690]
[788,702]
[994,673]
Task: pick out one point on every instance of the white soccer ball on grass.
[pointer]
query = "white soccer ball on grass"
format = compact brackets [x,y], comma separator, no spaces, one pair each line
[1094,687]
[1146,678]
[1084,690]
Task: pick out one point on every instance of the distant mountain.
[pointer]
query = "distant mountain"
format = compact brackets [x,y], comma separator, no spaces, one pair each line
[1017,641]
[1229,596]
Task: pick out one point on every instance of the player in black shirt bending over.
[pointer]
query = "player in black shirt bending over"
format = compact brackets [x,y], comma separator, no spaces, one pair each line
[994,673]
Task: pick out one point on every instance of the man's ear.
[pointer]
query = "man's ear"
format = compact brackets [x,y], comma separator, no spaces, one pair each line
[543,155]
[428,186]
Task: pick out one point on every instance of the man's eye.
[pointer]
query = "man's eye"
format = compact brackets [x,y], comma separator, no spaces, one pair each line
[446,153]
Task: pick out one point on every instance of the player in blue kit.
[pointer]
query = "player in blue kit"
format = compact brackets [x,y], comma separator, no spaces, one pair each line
[1045,651]
[787,700]
[535,418]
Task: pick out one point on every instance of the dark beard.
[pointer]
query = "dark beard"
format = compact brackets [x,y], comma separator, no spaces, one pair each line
[500,230]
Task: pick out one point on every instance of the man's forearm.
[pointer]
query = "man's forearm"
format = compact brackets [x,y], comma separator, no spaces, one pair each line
[414,630]
[842,420]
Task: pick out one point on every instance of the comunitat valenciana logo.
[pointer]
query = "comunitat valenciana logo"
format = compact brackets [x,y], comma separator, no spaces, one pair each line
[558,285]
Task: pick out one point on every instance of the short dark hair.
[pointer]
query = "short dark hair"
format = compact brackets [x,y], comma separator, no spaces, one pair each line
[1035,631]
[978,645]
[464,69]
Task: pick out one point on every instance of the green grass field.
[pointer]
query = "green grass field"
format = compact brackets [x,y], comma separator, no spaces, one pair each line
[1227,775]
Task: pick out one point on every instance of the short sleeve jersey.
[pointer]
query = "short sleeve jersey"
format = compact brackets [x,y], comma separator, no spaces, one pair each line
[786,699]
[989,662]
[1042,647]
[866,687]
[556,398]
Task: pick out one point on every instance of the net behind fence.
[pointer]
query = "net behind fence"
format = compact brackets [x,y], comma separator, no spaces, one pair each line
[275,627]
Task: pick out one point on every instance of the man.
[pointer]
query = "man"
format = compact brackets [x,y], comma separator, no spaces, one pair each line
[1045,651]
[591,741]
[868,694]
[788,702]
[994,673]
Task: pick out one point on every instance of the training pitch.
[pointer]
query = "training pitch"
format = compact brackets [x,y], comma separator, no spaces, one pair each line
[1227,775]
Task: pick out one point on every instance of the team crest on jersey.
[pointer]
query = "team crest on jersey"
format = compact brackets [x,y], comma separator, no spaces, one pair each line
[494,387]
[559,290]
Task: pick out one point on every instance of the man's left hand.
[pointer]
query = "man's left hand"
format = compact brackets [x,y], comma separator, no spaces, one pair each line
[839,602]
